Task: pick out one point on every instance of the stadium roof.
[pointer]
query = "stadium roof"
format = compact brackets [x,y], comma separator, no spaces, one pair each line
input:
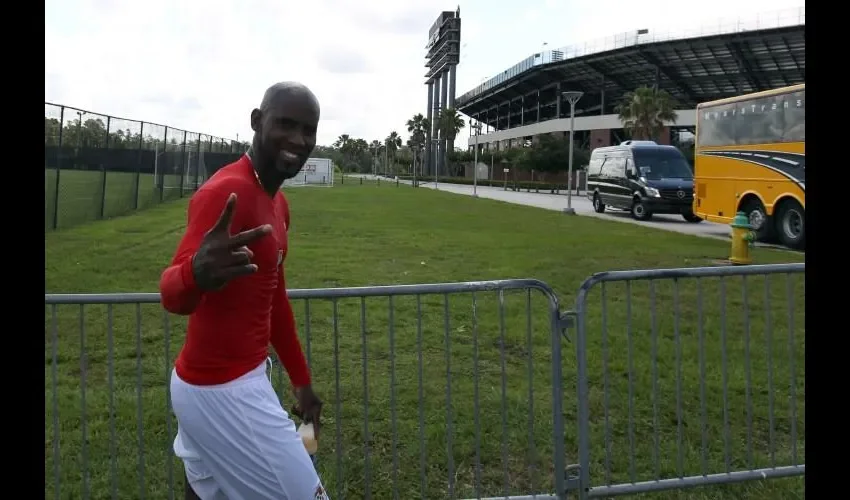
[696,66]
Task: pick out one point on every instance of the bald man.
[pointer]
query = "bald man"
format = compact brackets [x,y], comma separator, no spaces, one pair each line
[234,437]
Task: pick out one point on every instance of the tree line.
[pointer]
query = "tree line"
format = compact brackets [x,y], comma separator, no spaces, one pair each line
[95,133]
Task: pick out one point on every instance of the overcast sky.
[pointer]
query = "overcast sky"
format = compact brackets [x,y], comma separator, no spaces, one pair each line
[202,65]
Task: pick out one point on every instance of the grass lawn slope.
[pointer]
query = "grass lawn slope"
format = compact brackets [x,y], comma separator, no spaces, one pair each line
[647,346]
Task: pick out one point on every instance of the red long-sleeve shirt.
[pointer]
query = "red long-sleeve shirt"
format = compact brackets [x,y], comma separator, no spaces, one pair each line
[230,329]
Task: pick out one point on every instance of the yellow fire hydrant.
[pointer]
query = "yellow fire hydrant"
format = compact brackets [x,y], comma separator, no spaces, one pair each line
[743,239]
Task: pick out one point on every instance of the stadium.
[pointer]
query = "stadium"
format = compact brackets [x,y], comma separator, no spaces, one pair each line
[723,60]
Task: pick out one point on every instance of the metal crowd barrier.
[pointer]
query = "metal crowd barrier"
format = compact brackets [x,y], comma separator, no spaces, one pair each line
[679,378]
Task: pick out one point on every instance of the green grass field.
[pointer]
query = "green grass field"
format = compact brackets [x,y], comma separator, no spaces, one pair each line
[355,235]
[81,193]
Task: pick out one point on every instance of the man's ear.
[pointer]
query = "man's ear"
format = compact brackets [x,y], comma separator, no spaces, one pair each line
[256,117]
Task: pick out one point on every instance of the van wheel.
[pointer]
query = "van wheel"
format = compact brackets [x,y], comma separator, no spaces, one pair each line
[791,225]
[598,206]
[758,219]
[640,211]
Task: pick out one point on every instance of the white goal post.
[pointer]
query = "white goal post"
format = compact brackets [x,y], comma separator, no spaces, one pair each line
[190,174]
[315,172]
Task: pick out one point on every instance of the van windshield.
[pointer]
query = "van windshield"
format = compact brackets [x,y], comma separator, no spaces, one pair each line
[662,164]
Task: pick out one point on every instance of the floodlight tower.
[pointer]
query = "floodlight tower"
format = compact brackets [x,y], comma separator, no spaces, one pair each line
[441,60]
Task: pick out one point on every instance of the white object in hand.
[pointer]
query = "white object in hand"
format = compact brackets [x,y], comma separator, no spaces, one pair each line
[308,437]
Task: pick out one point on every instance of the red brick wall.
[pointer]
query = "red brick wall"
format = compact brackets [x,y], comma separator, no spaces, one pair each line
[664,136]
[600,138]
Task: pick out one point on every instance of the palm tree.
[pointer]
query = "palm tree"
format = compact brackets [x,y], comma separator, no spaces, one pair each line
[359,146]
[417,127]
[449,123]
[343,144]
[645,111]
[392,142]
[374,148]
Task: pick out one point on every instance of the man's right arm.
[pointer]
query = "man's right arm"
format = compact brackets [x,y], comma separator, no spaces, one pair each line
[179,293]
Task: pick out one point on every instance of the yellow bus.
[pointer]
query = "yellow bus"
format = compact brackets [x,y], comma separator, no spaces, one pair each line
[750,156]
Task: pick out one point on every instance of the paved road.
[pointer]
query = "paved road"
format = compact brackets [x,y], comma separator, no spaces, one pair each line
[584,207]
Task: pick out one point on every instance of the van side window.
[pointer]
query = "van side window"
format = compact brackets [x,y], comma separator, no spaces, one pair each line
[630,166]
[606,167]
[595,166]
[615,167]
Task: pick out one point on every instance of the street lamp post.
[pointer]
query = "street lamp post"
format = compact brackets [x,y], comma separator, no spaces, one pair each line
[386,159]
[477,128]
[572,97]
[415,154]
[436,162]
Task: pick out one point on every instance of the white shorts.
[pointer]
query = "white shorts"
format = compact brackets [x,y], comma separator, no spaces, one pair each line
[238,443]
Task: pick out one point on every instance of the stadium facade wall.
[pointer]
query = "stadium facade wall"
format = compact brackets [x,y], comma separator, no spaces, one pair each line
[597,125]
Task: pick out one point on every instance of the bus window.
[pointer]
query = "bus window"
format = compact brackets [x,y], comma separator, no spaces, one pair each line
[795,117]
[717,126]
[761,120]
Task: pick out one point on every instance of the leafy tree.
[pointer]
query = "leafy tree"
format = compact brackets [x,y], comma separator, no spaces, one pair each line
[645,112]
[392,143]
[449,124]
[81,133]
[549,155]
[417,127]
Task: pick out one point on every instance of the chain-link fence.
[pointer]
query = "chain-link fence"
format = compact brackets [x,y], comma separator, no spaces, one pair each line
[98,166]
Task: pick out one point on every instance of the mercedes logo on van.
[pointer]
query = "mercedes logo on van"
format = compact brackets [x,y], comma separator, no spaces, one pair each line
[680,194]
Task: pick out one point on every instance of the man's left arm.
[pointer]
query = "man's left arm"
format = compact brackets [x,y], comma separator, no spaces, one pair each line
[284,337]
[284,333]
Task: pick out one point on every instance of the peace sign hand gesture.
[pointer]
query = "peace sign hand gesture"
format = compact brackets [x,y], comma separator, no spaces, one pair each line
[221,256]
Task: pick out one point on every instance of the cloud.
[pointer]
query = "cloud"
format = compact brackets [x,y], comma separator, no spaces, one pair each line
[342,60]
[393,18]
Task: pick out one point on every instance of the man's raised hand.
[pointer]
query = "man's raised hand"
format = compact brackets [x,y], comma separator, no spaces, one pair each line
[221,256]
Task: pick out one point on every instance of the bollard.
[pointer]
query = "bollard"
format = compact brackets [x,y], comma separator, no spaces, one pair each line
[361,181]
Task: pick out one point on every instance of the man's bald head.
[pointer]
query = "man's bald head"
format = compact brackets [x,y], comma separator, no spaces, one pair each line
[285,128]
[281,92]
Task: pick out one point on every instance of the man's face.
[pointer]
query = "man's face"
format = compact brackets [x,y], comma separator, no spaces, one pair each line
[287,133]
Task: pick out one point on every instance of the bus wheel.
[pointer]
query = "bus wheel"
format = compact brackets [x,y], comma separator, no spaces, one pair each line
[791,224]
[758,219]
